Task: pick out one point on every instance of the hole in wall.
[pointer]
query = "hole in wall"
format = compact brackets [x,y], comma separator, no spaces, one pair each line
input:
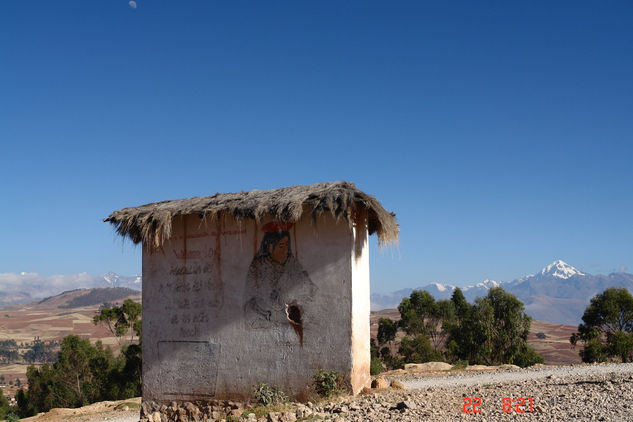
[293,313]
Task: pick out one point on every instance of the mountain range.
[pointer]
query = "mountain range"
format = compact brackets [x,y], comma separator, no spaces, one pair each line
[558,293]
[31,287]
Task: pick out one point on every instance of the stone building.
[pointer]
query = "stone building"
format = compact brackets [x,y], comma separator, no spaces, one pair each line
[260,286]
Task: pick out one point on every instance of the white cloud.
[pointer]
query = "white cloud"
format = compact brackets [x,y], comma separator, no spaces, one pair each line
[132,4]
[623,268]
[39,286]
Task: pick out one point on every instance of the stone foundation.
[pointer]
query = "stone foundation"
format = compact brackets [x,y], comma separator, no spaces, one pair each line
[200,411]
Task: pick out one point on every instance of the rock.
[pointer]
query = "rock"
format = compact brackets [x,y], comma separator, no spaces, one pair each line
[303,412]
[154,417]
[146,408]
[407,404]
[398,385]
[288,417]
[274,417]
[236,413]
[366,390]
[379,382]
[508,366]
[480,368]
[428,366]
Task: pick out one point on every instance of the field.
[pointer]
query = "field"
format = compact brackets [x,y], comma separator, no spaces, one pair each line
[48,321]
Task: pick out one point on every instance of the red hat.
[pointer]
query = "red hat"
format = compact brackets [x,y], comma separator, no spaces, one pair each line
[276,227]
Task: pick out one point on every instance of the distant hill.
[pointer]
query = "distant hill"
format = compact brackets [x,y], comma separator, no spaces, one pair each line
[88,297]
[21,288]
[559,293]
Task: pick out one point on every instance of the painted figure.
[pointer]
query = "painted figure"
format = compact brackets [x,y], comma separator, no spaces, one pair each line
[277,287]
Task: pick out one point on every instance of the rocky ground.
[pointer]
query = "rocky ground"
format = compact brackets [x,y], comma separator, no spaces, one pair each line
[579,392]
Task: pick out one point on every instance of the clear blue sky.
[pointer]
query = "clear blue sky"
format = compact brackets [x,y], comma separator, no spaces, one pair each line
[500,132]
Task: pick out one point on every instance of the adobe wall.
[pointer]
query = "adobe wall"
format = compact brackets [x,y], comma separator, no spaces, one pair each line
[216,306]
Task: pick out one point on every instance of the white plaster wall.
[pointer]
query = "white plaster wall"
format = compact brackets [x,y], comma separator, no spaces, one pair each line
[361,354]
[197,341]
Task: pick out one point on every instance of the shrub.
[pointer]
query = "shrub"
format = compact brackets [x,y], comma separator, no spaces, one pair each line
[593,351]
[527,356]
[607,328]
[375,367]
[418,350]
[266,395]
[12,417]
[327,383]
[460,364]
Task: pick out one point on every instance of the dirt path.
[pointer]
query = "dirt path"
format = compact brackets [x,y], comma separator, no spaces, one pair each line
[465,379]
[111,411]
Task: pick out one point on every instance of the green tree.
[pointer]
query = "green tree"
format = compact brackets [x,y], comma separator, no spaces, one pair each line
[376,365]
[25,406]
[4,405]
[492,331]
[607,328]
[387,330]
[418,349]
[462,343]
[442,313]
[414,310]
[121,319]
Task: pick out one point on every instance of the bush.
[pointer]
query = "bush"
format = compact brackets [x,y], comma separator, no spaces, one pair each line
[266,395]
[609,317]
[418,350]
[460,364]
[593,351]
[327,383]
[375,367]
[527,356]
[12,417]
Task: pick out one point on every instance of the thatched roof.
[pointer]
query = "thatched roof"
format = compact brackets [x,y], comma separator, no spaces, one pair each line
[151,223]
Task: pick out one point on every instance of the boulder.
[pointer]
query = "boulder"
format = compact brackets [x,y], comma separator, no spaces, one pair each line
[480,368]
[428,367]
[508,366]
[407,404]
[379,382]
[398,385]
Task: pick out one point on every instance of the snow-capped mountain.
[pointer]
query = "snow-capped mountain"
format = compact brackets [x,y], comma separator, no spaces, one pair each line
[17,288]
[113,279]
[558,293]
[559,269]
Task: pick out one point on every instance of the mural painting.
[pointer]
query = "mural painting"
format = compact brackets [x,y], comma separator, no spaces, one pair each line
[277,287]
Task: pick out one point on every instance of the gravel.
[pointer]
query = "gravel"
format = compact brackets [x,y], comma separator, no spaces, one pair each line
[583,392]
[460,379]
[579,392]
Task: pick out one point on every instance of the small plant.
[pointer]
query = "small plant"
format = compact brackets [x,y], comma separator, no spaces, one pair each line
[327,383]
[375,366]
[460,364]
[12,417]
[266,395]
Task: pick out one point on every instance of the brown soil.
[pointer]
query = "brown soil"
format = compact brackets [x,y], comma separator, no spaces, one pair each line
[23,323]
[107,410]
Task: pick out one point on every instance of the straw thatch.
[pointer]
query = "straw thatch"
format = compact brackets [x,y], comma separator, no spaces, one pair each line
[151,223]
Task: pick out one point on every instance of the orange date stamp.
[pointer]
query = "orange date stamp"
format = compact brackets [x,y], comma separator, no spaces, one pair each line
[508,405]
